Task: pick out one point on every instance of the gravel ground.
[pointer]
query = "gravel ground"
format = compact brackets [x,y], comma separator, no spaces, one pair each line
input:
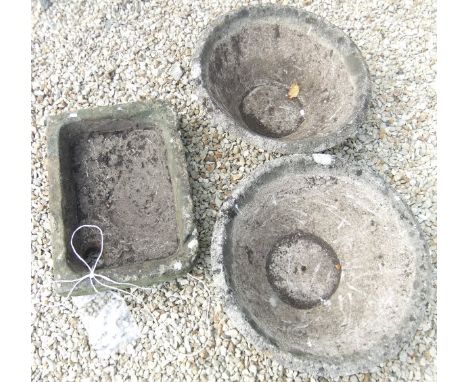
[101,53]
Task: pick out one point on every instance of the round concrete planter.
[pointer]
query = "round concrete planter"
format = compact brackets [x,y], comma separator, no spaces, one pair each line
[249,60]
[324,267]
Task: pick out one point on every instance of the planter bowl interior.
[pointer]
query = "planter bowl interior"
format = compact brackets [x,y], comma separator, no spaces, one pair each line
[324,267]
[250,58]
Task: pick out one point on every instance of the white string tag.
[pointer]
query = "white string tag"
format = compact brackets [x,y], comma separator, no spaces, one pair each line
[93,277]
[107,341]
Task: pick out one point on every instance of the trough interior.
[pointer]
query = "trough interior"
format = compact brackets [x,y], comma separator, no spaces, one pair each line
[115,175]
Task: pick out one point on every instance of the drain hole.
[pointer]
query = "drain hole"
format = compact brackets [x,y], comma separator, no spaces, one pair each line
[90,255]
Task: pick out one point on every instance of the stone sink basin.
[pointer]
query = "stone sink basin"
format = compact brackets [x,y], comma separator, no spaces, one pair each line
[123,169]
[323,267]
[250,60]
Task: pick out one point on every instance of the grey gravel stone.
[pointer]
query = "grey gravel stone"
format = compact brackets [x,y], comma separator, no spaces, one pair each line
[45,4]
[176,72]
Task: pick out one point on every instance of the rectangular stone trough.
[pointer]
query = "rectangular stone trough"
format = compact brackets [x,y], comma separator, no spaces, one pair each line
[123,169]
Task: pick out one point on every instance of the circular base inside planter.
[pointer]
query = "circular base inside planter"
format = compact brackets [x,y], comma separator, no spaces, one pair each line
[267,110]
[324,267]
[303,270]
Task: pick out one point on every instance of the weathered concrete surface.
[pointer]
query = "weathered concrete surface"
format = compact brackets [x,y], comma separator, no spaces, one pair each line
[323,266]
[249,59]
[121,168]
